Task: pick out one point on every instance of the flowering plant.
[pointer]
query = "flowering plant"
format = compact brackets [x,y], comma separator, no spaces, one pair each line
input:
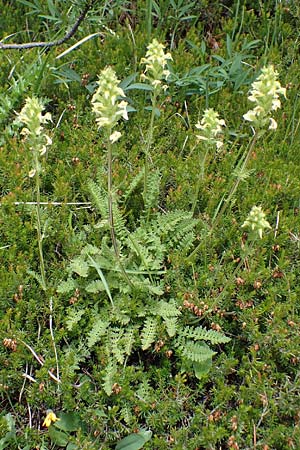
[106,104]
[31,116]
[211,128]
[156,60]
[256,221]
[265,94]
[50,417]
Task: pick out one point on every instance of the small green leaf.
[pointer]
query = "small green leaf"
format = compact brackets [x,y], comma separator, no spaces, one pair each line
[202,368]
[72,446]
[58,437]
[134,441]
[79,266]
[139,86]
[68,422]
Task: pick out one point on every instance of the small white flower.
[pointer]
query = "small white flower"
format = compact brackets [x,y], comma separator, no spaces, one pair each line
[273,124]
[32,173]
[250,116]
[31,116]
[115,136]
[33,131]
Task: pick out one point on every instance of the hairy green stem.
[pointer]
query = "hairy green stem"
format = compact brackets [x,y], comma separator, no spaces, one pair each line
[237,182]
[148,145]
[41,256]
[110,207]
[227,200]
[39,223]
[202,164]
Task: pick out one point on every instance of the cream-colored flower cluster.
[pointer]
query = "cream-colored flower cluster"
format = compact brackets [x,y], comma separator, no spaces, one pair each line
[211,128]
[265,94]
[156,61]
[31,116]
[256,221]
[106,102]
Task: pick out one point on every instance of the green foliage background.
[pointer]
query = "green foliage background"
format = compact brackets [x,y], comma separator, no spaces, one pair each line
[117,378]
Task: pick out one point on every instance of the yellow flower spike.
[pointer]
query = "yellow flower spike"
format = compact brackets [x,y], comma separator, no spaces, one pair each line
[51,417]
[156,61]
[210,127]
[106,105]
[256,221]
[265,94]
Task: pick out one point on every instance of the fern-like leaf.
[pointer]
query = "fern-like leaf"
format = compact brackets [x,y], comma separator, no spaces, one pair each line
[110,373]
[133,185]
[73,317]
[79,266]
[152,191]
[201,334]
[114,344]
[149,332]
[167,309]
[98,197]
[98,330]
[196,352]
[128,340]
[171,325]
[66,286]
[119,223]
[186,243]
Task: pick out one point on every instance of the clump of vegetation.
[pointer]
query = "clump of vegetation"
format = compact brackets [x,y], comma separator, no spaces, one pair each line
[149,227]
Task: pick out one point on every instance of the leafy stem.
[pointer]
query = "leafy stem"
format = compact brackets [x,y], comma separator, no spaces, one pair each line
[221,209]
[110,206]
[149,143]
[199,180]
[39,221]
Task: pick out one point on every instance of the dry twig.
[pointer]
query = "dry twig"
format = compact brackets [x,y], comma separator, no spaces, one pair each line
[67,36]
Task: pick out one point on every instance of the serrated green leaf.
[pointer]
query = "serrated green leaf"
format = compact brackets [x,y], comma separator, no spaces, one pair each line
[66,286]
[79,266]
[95,286]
